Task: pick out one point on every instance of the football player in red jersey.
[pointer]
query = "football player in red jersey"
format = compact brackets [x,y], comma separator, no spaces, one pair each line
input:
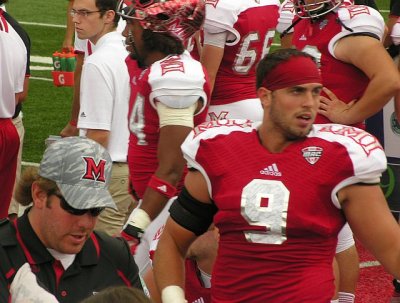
[276,196]
[346,40]
[237,35]
[167,99]
[359,78]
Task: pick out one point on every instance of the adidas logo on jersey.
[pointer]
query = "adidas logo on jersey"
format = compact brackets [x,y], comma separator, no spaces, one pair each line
[163,188]
[83,115]
[271,170]
[303,37]
[199,300]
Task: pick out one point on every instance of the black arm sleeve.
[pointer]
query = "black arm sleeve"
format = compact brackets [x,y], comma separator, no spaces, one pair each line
[192,214]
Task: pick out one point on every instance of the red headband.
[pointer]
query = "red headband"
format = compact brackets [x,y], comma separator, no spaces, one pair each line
[295,71]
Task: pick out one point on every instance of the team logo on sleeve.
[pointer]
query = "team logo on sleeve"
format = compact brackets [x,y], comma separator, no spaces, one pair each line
[172,64]
[365,140]
[355,10]
[312,154]
[287,6]
[212,2]
[221,123]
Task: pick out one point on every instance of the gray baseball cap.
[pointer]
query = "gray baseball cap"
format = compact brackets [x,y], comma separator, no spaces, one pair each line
[81,169]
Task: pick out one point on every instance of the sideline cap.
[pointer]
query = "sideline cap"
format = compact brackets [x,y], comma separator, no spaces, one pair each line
[81,169]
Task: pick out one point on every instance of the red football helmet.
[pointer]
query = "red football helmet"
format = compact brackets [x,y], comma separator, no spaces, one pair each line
[316,8]
[180,18]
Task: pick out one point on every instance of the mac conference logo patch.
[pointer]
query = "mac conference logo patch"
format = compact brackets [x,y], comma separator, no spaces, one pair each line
[394,124]
[312,154]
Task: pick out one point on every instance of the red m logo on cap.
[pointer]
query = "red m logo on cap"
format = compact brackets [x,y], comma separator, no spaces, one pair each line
[94,171]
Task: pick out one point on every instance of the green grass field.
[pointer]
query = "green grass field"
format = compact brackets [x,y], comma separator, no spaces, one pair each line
[46,110]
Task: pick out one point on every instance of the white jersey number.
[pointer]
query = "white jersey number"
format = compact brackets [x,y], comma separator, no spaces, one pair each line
[313,51]
[265,203]
[136,120]
[247,56]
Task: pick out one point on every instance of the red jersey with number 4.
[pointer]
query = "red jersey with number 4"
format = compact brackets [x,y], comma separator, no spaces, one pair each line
[319,37]
[252,28]
[173,76]
[278,214]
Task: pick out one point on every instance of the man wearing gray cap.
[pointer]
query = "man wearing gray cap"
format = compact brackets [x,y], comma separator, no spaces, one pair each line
[53,244]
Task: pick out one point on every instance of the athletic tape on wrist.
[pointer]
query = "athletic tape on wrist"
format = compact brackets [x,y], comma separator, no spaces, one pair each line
[139,218]
[173,294]
[163,187]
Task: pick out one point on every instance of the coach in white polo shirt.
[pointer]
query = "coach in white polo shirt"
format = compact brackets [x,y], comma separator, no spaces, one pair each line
[104,98]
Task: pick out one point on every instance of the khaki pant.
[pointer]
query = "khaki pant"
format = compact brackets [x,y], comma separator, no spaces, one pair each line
[15,208]
[111,221]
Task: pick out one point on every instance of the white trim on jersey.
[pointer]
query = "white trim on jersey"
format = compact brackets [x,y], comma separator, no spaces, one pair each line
[171,82]
[360,22]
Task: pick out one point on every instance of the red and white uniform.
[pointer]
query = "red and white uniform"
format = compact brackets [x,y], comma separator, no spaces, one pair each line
[164,81]
[277,240]
[13,67]
[319,37]
[251,26]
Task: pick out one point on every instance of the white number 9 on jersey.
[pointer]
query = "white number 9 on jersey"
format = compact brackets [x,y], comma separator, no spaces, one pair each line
[265,203]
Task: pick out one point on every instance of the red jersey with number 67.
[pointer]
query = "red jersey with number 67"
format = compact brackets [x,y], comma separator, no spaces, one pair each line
[251,25]
[173,76]
[278,214]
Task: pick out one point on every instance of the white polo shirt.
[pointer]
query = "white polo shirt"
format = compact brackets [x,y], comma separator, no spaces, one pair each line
[84,46]
[104,94]
[12,67]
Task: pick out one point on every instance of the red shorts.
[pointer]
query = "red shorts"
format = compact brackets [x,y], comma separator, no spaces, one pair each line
[9,145]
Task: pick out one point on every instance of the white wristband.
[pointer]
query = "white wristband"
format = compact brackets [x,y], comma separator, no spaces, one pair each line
[173,294]
[139,218]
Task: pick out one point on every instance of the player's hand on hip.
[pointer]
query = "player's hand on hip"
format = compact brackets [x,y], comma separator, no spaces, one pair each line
[334,109]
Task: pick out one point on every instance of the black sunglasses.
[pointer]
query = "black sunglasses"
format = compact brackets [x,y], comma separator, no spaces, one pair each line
[94,212]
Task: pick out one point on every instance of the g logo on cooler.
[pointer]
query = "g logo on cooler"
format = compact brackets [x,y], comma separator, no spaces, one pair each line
[61,79]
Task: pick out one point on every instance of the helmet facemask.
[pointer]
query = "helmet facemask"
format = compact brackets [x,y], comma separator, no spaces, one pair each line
[316,8]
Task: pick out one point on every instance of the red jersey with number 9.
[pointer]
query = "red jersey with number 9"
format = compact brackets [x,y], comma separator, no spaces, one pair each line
[278,214]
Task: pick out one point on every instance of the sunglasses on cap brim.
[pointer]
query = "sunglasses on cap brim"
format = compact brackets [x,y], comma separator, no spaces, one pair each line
[94,212]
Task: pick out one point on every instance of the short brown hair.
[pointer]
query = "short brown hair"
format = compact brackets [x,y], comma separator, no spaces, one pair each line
[23,192]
